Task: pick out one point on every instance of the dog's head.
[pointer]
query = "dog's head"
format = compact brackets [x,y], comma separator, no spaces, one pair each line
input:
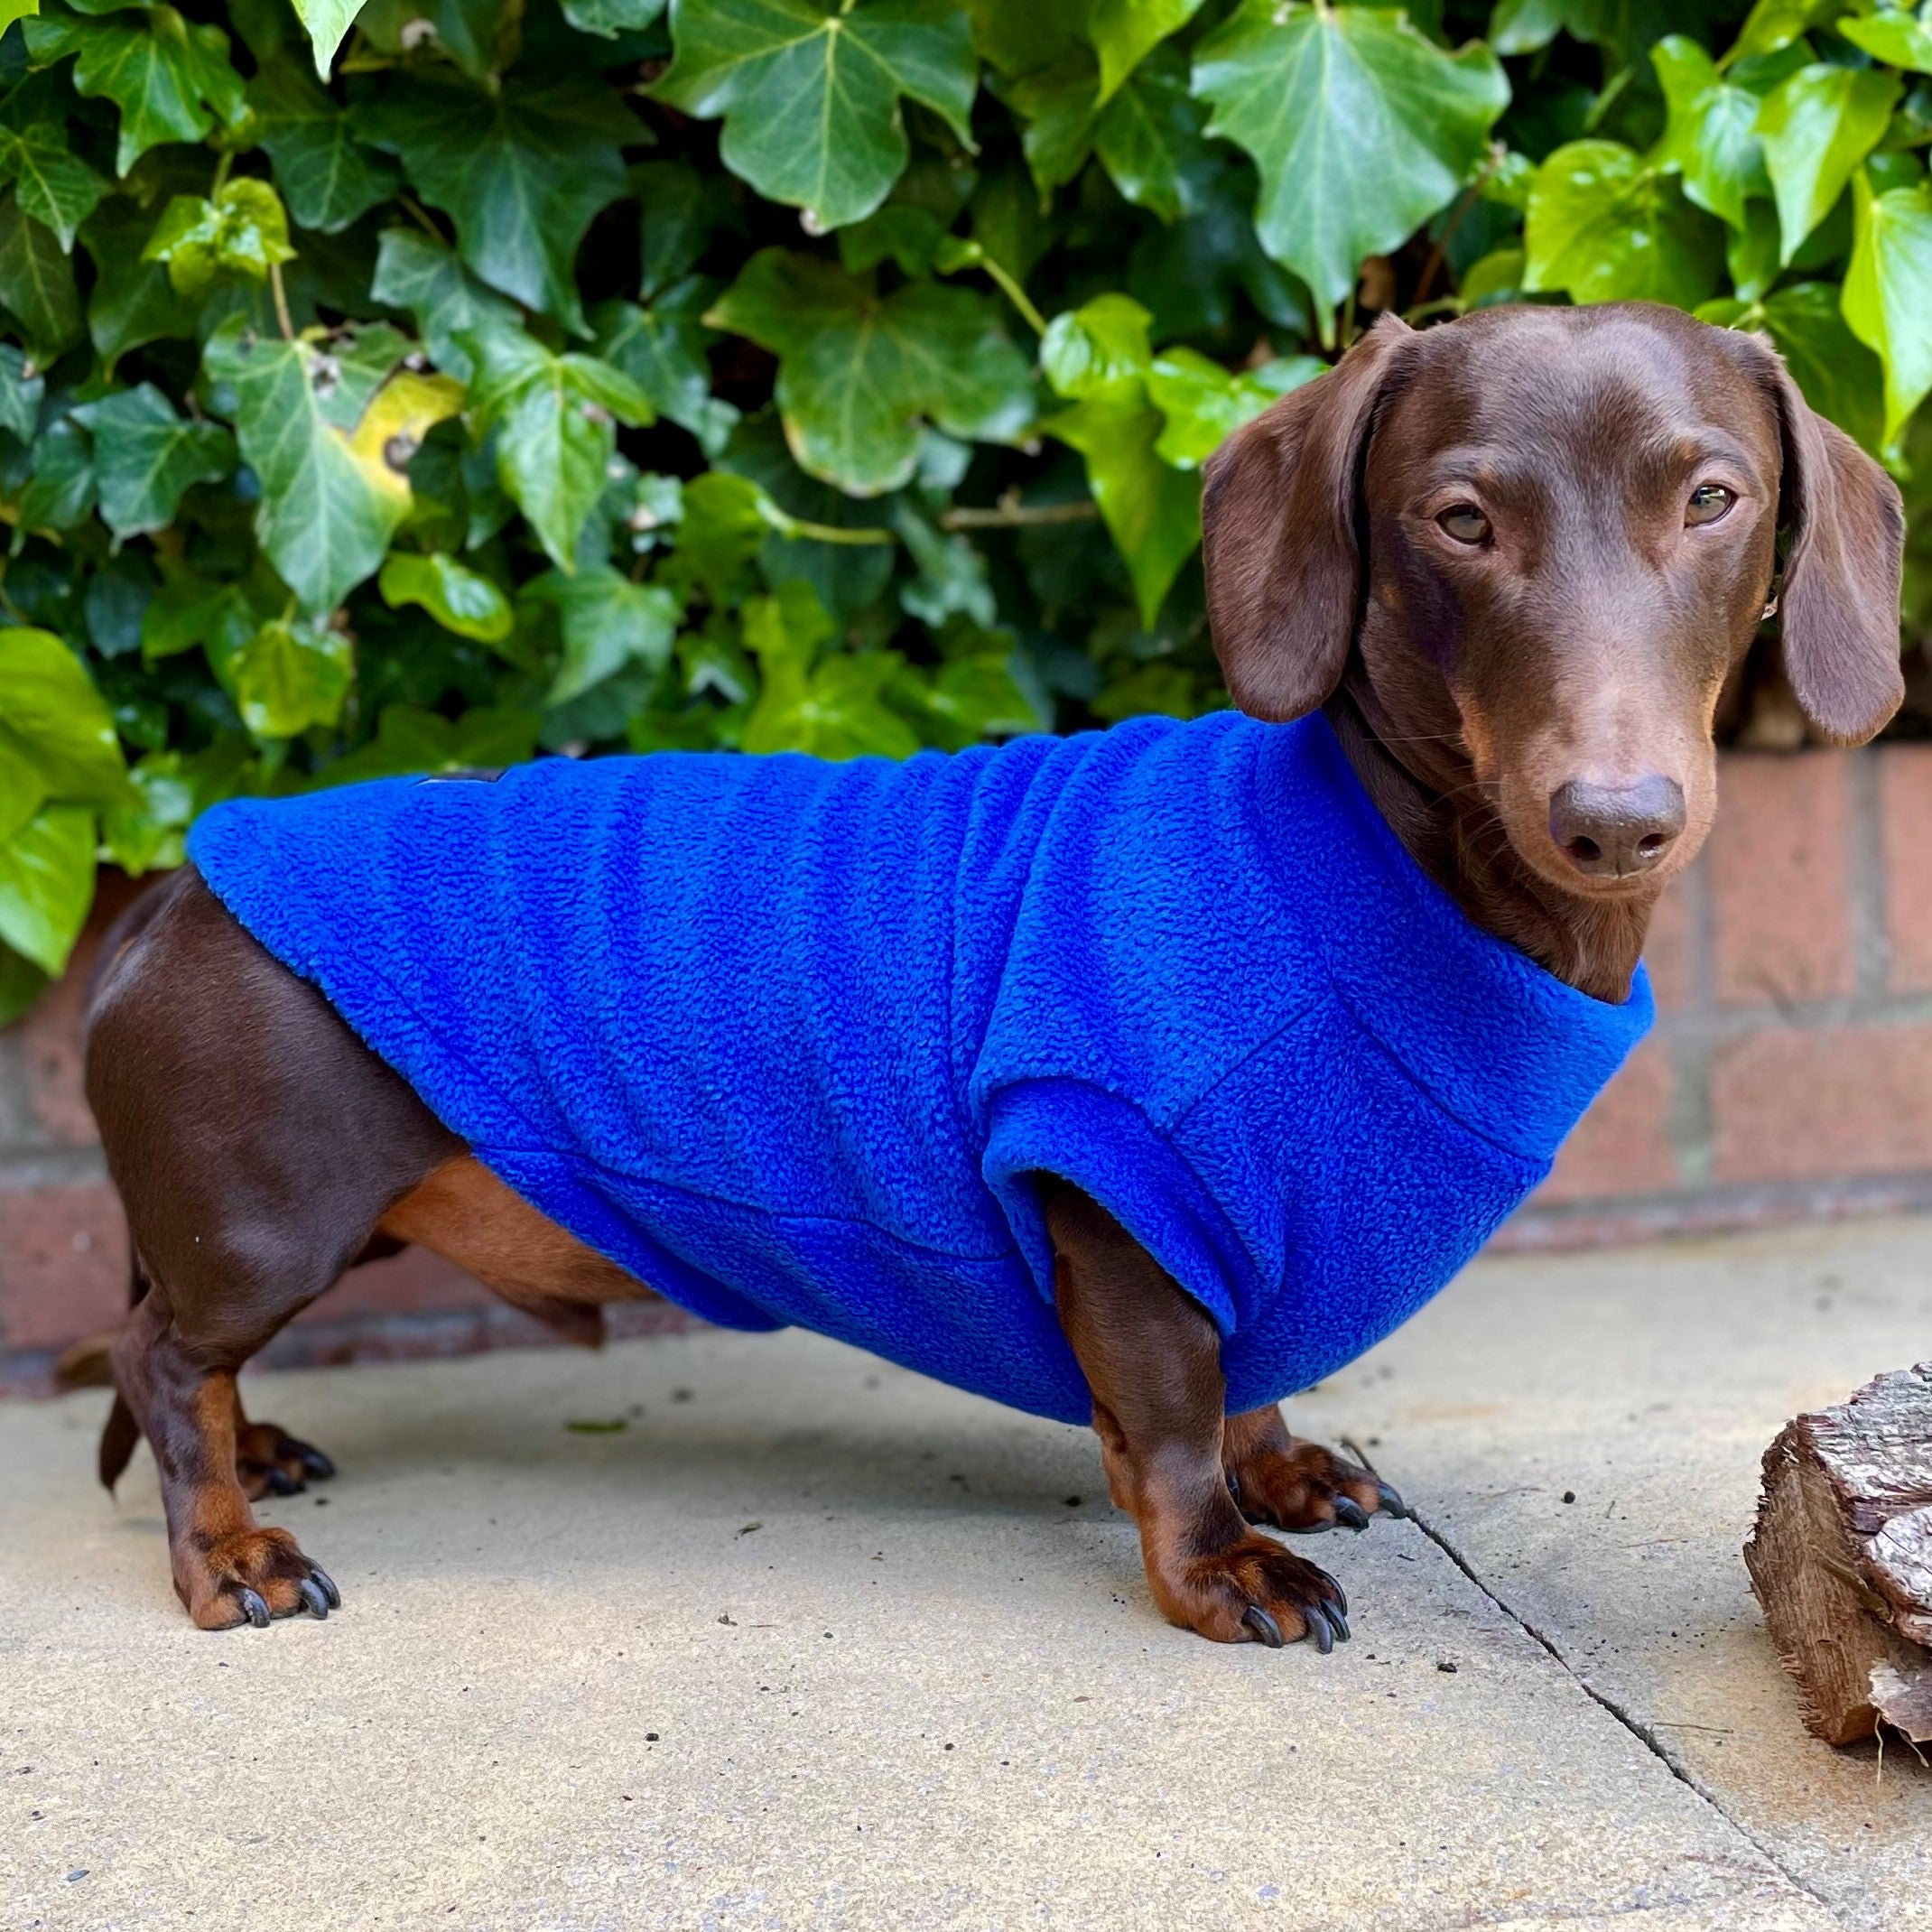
[1550,536]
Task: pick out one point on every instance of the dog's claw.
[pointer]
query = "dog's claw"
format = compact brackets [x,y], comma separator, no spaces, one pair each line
[254,1608]
[310,1593]
[1350,1513]
[1340,1596]
[328,1588]
[280,1485]
[322,1468]
[1265,1629]
[1392,1501]
[1319,1627]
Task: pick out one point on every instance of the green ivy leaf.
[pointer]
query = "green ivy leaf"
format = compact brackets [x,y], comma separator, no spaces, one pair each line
[679,206]
[1360,126]
[610,18]
[555,421]
[20,393]
[1887,293]
[1608,226]
[858,372]
[22,792]
[1097,349]
[171,81]
[416,274]
[52,718]
[47,884]
[662,351]
[1123,33]
[330,178]
[149,835]
[1840,377]
[1711,137]
[966,700]
[1152,511]
[54,186]
[832,710]
[290,675]
[607,624]
[133,302]
[146,456]
[1150,138]
[522,171]
[722,528]
[1816,126]
[1772,25]
[460,599]
[409,739]
[242,230]
[1897,38]
[1205,403]
[37,283]
[810,95]
[329,425]
[327,22]
[1058,105]
[60,494]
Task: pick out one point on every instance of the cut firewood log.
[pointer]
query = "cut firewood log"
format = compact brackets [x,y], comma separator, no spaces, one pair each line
[1842,1559]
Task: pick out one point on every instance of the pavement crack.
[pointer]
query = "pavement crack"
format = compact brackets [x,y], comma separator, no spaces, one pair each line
[1644,1733]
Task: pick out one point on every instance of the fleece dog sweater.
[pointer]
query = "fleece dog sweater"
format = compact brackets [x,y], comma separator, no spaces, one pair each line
[789,1040]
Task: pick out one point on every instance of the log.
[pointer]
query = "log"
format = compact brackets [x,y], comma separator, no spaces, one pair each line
[1840,1558]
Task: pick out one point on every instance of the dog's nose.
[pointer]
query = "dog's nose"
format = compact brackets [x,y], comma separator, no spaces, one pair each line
[1611,831]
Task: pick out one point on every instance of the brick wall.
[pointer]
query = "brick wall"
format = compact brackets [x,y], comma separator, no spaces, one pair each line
[1789,1075]
[1790,1072]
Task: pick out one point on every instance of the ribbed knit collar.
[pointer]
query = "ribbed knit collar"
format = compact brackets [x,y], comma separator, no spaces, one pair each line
[1494,1038]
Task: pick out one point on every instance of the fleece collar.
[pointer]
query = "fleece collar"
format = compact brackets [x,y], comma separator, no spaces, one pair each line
[1492,1037]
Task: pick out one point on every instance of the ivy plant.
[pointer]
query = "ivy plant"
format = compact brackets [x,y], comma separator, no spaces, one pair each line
[392,386]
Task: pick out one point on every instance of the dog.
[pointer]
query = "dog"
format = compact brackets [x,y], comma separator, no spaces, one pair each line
[1478,591]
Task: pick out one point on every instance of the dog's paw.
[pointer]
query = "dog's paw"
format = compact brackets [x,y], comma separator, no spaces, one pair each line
[248,1576]
[1306,1488]
[268,1461]
[1255,1591]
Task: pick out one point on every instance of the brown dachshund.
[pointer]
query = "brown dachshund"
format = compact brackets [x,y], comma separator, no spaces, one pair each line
[1517,558]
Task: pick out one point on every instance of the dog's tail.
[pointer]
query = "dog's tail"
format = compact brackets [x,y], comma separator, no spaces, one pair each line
[88,1363]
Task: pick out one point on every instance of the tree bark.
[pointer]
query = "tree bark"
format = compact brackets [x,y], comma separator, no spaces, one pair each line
[1842,1559]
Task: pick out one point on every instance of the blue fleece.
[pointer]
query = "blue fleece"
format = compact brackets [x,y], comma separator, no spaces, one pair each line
[786,1040]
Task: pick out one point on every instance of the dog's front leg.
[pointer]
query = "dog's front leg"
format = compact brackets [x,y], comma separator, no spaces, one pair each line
[1152,1359]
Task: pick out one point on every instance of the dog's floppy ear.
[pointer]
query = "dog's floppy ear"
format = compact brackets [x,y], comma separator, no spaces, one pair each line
[1278,534]
[1838,609]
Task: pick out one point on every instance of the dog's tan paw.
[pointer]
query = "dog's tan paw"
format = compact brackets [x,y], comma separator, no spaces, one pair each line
[1306,1488]
[1255,1591]
[249,1576]
[269,1461]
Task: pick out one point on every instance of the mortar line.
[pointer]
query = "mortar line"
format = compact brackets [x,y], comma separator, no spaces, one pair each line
[1637,1728]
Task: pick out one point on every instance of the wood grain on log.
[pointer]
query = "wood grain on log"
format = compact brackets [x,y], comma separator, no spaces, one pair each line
[1842,1559]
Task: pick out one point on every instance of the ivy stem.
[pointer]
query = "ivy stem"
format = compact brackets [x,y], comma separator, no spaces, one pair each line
[1009,285]
[799,526]
[1011,514]
[281,302]
[423,217]
[223,163]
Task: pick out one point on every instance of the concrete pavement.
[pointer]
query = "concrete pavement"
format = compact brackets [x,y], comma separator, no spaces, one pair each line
[811,1642]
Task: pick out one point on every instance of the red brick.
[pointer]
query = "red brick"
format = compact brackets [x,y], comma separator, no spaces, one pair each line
[1622,1145]
[63,1264]
[1842,1100]
[1905,818]
[50,1033]
[1780,894]
[1670,951]
[415,1282]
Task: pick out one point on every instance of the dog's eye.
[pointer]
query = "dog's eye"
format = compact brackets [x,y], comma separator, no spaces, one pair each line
[1465,523]
[1708,502]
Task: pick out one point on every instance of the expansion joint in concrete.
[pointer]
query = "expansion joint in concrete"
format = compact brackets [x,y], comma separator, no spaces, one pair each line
[1644,1734]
